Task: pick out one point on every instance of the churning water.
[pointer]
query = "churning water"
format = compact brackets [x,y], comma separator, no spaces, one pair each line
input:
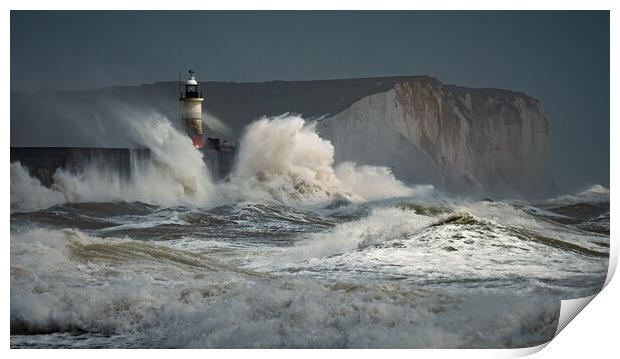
[290,251]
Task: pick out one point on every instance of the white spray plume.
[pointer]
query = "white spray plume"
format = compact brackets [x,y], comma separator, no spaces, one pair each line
[27,193]
[371,182]
[175,175]
[284,158]
[280,158]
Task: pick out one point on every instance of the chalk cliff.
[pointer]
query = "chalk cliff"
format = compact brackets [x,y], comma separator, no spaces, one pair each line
[468,141]
[463,140]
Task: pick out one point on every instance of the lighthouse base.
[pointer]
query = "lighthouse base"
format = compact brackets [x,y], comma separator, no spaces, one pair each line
[197,141]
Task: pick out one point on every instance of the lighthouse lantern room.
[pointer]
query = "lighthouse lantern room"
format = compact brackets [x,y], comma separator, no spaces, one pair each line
[191,109]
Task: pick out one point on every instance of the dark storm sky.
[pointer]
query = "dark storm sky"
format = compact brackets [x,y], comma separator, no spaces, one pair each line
[561,58]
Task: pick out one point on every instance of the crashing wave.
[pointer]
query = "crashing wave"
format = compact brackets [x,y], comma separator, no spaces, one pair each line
[284,158]
[280,158]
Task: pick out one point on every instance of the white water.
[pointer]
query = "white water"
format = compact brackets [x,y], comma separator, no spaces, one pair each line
[382,225]
[28,194]
[174,298]
[595,193]
[176,175]
[281,158]
[384,276]
[371,182]
[397,243]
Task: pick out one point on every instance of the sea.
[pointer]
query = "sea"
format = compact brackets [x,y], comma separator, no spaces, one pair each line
[290,251]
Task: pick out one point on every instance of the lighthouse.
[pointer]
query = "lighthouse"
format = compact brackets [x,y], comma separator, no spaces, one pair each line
[191,110]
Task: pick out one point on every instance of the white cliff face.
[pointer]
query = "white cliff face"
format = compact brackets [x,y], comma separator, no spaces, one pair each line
[366,133]
[467,141]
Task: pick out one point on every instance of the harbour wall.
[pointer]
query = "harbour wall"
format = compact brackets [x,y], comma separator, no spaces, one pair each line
[43,162]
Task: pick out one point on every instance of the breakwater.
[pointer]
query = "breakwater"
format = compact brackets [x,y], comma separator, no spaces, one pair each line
[43,162]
